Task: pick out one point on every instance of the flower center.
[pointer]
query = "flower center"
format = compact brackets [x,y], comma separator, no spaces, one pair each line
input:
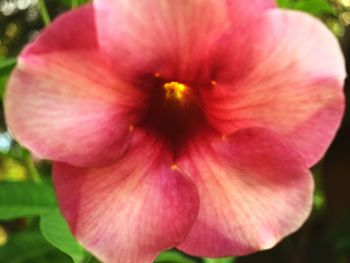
[174,90]
[173,111]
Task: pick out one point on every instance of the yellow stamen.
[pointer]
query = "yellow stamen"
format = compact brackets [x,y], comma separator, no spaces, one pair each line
[213,82]
[174,90]
[173,167]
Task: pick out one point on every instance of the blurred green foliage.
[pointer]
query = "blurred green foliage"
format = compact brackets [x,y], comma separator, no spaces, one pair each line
[25,199]
[315,7]
[31,226]
[6,65]
[30,247]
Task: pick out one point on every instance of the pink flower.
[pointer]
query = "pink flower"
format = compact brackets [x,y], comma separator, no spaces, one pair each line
[187,123]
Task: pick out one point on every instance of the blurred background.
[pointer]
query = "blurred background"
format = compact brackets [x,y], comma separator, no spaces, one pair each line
[32,229]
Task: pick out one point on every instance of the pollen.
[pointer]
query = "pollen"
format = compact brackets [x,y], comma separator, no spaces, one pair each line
[173,167]
[174,90]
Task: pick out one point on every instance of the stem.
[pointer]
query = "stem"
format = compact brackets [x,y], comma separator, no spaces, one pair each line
[33,172]
[44,13]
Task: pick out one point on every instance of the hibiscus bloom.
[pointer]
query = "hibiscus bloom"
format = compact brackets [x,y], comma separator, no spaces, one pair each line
[187,123]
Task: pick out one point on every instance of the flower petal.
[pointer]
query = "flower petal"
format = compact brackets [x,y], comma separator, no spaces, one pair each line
[63,102]
[253,191]
[129,211]
[170,38]
[243,12]
[286,74]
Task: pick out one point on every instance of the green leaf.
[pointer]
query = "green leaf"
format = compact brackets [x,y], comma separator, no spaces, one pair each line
[3,81]
[6,66]
[55,229]
[315,7]
[173,257]
[219,260]
[25,199]
[7,63]
[25,247]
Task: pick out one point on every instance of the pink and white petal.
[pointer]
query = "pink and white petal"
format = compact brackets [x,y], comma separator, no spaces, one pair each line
[166,37]
[64,103]
[286,74]
[129,211]
[244,12]
[62,36]
[253,189]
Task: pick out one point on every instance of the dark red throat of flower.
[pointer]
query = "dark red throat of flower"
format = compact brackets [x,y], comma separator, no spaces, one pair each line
[174,112]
